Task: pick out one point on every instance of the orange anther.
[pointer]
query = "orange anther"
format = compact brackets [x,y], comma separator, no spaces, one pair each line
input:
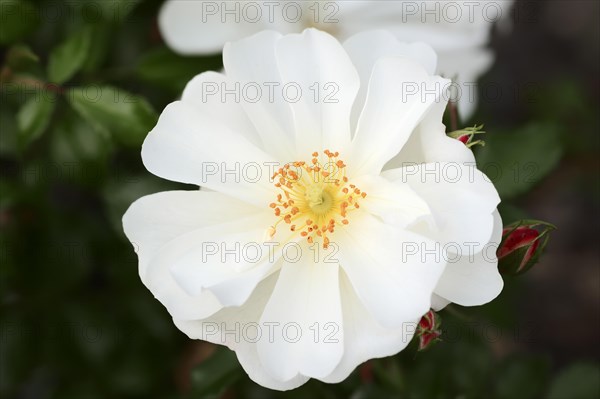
[292,200]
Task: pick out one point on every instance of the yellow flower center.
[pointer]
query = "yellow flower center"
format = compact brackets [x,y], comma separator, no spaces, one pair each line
[315,196]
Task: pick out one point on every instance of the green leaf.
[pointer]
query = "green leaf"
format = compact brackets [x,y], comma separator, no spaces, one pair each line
[170,71]
[33,118]
[213,376]
[68,58]
[18,18]
[126,117]
[100,36]
[75,142]
[517,161]
[579,381]
[20,56]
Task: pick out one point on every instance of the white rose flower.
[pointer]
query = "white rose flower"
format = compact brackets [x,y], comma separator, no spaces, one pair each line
[327,223]
[458,30]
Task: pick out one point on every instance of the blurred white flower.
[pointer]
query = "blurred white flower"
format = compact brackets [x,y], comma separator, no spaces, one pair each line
[457,30]
[328,222]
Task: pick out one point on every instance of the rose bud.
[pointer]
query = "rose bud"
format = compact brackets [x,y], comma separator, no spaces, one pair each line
[428,330]
[467,134]
[464,138]
[522,245]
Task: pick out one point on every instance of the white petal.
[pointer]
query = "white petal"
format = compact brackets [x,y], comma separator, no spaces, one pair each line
[366,48]
[251,64]
[400,94]
[316,64]
[396,203]
[153,221]
[474,278]
[229,259]
[461,198]
[438,303]
[206,93]
[460,45]
[450,186]
[192,147]
[393,271]
[429,143]
[364,338]
[465,66]
[248,357]
[196,27]
[236,327]
[460,24]
[305,305]
[444,37]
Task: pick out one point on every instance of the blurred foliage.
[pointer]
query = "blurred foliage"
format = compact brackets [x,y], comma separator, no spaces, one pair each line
[515,161]
[82,84]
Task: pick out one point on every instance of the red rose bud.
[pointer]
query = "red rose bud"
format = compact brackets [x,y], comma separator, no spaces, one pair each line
[426,340]
[522,245]
[519,238]
[467,134]
[464,138]
[428,322]
[428,330]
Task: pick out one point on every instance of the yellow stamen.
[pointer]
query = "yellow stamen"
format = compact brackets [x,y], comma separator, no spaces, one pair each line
[317,193]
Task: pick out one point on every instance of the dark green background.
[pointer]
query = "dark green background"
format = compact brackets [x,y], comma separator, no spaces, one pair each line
[75,320]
